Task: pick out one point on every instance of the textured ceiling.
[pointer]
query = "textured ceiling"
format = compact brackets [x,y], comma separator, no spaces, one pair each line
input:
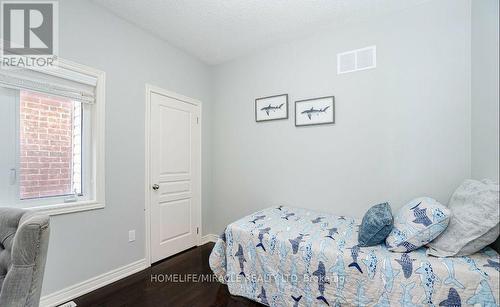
[216,31]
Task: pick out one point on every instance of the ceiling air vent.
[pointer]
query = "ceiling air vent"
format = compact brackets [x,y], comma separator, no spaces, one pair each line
[359,59]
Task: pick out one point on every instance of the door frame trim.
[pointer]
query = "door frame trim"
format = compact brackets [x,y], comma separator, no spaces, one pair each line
[147,162]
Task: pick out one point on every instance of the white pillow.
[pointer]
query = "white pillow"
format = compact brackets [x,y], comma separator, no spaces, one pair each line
[416,224]
[474,221]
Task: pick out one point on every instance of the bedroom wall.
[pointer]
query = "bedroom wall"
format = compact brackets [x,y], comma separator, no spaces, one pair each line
[484,90]
[87,244]
[402,130]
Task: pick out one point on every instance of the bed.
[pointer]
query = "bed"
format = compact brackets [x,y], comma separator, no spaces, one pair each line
[285,256]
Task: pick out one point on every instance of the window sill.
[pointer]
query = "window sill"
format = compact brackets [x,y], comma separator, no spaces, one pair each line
[66,208]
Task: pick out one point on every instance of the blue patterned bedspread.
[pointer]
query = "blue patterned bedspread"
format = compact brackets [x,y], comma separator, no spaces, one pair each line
[284,256]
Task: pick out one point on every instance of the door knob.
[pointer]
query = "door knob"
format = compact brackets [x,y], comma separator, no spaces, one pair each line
[155,187]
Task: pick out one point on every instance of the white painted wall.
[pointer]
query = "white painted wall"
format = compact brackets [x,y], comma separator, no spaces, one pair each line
[84,245]
[402,130]
[484,90]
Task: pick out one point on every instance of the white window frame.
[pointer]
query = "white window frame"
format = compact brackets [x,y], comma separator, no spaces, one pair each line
[97,180]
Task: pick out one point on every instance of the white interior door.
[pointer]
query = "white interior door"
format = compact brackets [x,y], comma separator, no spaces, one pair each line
[175,175]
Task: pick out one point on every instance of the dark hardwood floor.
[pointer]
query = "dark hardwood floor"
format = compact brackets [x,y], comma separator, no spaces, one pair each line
[150,287]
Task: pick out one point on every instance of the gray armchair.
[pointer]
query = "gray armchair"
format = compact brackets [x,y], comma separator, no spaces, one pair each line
[24,238]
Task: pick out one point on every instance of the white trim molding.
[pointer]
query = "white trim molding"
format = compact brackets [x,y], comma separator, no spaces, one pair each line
[68,207]
[209,238]
[84,287]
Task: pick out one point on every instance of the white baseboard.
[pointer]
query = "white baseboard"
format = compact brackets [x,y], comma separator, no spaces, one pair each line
[84,287]
[208,238]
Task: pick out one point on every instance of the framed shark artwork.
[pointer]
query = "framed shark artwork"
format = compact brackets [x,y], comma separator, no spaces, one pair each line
[271,108]
[315,111]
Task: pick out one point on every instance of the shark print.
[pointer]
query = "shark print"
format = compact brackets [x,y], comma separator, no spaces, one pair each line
[300,262]
[283,249]
[349,228]
[473,266]
[307,229]
[453,299]
[437,215]
[451,280]
[229,239]
[408,246]
[361,299]
[341,245]
[262,296]
[307,254]
[371,263]
[272,243]
[294,276]
[251,252]
[322,247]
[483,296]
[339,270]
[252,262]
[241,259]
[383,301]
[280,285]
[493,264]
[312,111]
[331,233]
[296,242]
[309,298]
[276,300]
[287,216]
[271,108]
[317,220]
[399,235]
[257,218]
[251,287]
[355,250]
[407,298]
[262,232]
[388,275]
[280,280]
[429,279]
[338,302]
[296,300]
[421,216]
[406,264]
[320,274]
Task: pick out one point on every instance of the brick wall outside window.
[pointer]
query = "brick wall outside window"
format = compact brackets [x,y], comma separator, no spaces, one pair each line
[46,145]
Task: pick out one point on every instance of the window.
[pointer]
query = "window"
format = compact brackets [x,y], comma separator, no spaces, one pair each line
[51,132]
[50,139]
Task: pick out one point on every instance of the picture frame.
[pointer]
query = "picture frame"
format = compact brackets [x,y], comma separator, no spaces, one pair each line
[315,111]
[271,108]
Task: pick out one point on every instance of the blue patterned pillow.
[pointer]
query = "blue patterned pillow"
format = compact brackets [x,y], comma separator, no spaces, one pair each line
[417,224]
[376,225]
